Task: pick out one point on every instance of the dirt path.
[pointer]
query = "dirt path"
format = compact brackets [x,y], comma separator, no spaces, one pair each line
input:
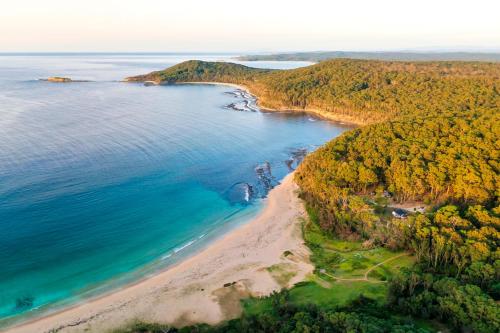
[365,278]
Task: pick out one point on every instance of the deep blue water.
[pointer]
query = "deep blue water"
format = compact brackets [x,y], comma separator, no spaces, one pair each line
[104,182]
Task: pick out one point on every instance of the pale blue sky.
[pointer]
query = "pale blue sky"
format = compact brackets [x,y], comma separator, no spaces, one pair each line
[242,26]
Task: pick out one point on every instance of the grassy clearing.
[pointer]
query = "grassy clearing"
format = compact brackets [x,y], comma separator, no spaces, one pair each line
[349,260]
[311,292]
[341,268]
[386,271]
[338,294]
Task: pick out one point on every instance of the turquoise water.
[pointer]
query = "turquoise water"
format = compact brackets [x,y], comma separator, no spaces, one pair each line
[103,183]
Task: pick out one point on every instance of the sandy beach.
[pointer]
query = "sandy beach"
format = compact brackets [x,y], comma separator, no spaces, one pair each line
[207,287]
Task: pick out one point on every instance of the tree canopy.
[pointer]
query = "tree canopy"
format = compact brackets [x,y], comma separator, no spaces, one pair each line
[361,91]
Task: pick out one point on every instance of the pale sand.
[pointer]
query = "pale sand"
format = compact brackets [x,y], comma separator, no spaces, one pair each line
[193,292]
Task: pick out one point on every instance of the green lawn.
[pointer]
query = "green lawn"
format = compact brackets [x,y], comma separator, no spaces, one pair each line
[310,292]
[349,260]
[334,258]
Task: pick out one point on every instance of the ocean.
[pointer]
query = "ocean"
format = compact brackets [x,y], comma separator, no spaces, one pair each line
[103,183]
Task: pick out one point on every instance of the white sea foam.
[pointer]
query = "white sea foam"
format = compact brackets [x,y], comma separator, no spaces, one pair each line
[247,194]
[178,249]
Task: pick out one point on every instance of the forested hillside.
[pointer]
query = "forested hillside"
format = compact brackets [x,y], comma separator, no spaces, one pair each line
[445,155]
[446,158]
[358,91]
[452,164]
[202,71]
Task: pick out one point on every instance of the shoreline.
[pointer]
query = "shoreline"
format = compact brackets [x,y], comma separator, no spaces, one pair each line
[328,116]
[191,291]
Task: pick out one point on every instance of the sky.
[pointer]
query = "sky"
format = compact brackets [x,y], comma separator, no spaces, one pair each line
[248,26]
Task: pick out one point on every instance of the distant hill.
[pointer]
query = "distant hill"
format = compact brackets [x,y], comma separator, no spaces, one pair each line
[201,71]
[392,56]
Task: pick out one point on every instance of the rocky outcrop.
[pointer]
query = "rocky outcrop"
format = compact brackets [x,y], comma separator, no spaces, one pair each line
[59,79]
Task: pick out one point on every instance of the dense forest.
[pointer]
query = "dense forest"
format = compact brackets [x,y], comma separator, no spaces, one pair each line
[432,137]
[451,158]
[389,56]
[445,155]
[358,91]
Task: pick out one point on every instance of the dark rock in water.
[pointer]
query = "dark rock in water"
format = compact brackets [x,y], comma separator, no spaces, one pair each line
[24,302]
[243,106]
[263,169]
[266,180]
[289,164]
[247,103]
[249,192]
[297,156]
[233,106]
[242,193]
[235,94]
[245,193]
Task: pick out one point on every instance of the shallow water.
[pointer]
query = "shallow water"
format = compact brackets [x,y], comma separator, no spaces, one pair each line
[102,183]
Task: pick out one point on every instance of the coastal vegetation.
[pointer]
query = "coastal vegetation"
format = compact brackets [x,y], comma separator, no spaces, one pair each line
[201,71]
[447,159]
[432,139]
[360,316]
[358,91]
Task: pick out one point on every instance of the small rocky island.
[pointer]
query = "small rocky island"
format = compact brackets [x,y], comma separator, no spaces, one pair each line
[60,79]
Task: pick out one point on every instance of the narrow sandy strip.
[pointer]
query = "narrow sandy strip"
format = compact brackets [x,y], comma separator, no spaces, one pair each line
[194,291]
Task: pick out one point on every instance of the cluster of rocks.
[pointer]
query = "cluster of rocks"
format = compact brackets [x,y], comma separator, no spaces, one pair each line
[248,102]
[265,179]
[244,192]
[296,157]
